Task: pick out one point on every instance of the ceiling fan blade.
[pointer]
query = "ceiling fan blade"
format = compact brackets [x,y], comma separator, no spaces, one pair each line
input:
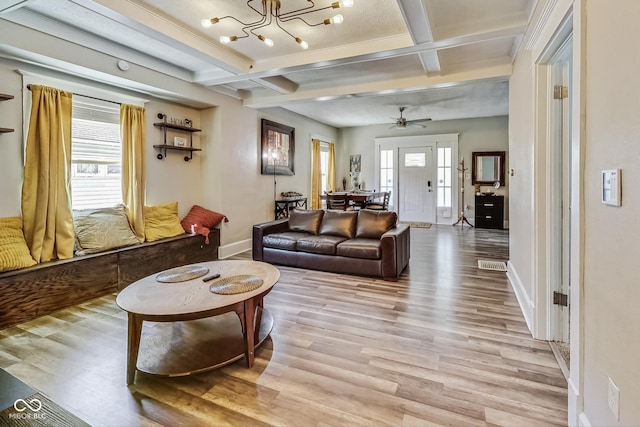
[428,119]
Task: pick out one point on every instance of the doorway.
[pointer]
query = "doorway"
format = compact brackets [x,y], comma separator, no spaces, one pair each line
[416,184]
[560,201]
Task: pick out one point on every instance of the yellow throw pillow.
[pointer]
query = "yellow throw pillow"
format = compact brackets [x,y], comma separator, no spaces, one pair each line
[14,252]
[161,221]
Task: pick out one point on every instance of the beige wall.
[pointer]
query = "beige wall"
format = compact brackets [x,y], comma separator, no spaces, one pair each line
[225,176]
[608,329]
[482,134]
[11,159]
[611,288]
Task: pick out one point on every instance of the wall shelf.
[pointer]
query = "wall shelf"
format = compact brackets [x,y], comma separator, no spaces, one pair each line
[175,128]
[6,97]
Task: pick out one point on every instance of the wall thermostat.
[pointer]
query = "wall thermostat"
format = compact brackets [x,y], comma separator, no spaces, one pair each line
[611,187]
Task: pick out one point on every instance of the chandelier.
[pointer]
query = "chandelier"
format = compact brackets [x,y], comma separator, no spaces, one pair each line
[271,13]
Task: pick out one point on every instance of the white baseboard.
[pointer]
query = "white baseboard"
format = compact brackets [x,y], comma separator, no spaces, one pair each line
[526,304]
[577,417]
[234,248]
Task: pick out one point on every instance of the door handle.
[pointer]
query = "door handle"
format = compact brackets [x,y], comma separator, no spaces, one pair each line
[429,185]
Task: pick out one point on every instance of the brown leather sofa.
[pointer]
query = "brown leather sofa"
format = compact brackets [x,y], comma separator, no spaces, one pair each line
[364,242]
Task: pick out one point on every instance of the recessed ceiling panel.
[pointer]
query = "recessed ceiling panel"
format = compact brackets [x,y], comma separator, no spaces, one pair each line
[403,66]
[474,53]
[367,19]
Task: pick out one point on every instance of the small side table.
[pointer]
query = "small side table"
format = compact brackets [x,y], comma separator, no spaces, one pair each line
[284,206]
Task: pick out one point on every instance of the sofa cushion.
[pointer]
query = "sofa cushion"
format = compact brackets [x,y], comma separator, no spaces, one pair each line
[373,224]
[14,252]
[286,241]
[339,223]
[161,221]
[323,244]
[306,221]
[360,248]
[102,229]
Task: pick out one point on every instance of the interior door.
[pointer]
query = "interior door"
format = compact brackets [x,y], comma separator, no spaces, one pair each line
[561,190]
[416,184]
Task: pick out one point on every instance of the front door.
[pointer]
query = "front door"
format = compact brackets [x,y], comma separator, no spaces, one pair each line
[416,184]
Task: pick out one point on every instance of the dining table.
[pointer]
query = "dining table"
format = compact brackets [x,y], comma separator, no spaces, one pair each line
[358,198]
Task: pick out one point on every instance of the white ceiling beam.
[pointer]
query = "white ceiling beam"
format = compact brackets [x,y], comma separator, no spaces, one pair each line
[7,6]
[30,46]
[416,16]
[510,30]
[422,82]
[143,20]
[278,84]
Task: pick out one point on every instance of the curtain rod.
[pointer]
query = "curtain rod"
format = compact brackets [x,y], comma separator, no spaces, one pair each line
[87,96]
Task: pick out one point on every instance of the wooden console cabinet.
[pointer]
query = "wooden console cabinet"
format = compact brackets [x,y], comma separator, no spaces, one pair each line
[490,212]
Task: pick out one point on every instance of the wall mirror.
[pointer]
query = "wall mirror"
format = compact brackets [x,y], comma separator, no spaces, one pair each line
[487,167]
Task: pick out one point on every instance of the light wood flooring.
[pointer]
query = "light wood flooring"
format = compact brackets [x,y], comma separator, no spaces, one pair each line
[445,345]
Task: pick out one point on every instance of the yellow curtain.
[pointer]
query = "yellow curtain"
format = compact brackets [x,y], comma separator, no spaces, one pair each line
[331,173]
[46,190]
[316,174]
[132,131]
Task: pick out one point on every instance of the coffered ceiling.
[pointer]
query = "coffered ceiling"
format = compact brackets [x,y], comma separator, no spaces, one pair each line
[443,59]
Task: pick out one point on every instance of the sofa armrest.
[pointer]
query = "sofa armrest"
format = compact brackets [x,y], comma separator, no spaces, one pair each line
[396,251]
[260,230]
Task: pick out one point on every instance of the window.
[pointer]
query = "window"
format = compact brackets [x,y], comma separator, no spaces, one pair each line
[324,166]
[444,181]
[386,171]
[95,154]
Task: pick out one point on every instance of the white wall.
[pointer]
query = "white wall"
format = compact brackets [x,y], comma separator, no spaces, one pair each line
[482,134]
[521,220]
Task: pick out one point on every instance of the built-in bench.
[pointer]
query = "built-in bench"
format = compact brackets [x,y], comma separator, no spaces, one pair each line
[28,293]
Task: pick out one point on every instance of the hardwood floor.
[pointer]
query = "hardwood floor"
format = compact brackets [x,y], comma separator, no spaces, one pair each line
[445,345]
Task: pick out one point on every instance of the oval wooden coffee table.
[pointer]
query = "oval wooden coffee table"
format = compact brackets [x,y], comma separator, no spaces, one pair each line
[189,329]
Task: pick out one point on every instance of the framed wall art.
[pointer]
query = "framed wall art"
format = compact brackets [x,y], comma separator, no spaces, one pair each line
[278,148]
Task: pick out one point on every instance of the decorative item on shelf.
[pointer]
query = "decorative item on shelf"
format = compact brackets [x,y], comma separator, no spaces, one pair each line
[271,12]
[344,184]
[179,141]
[462,219]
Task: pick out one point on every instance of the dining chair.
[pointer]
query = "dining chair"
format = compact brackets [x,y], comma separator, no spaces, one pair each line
[380,205]
[337,201]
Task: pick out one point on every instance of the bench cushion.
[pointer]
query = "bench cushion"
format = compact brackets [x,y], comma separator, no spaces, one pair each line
[323,244]
[360,248]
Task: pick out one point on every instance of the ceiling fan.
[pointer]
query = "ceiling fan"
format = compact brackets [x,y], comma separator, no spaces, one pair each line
[402,123]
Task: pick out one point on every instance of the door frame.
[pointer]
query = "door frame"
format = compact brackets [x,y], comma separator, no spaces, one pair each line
[396,142]
[565,20]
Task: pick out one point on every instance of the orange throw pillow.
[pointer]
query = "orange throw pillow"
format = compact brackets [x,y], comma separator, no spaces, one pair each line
[199,220]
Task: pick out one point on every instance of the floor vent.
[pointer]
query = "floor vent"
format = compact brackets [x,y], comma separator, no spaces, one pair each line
[492,265]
